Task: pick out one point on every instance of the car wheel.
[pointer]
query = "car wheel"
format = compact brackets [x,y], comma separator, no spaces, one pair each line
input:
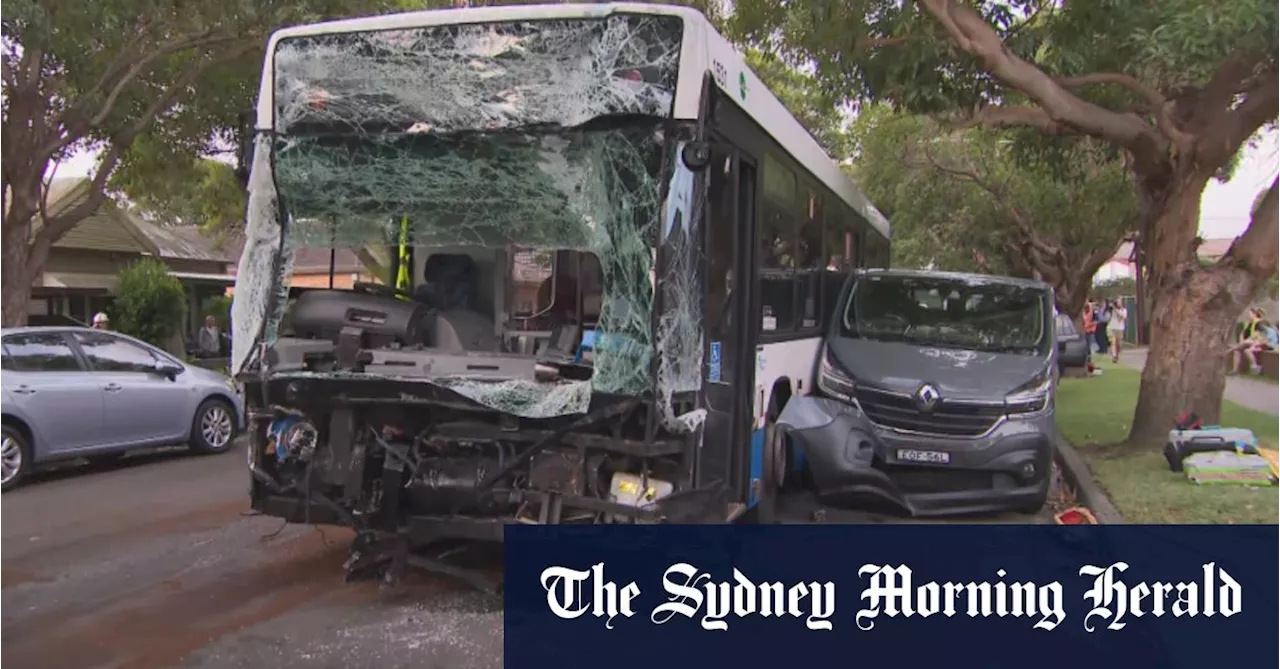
[767,493]
[214,427]
[15,458]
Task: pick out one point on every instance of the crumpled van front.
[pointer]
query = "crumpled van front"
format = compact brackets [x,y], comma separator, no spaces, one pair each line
[934,392]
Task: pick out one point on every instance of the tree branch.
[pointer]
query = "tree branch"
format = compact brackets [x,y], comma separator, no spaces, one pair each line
[1257,249]
[1205,104]
[1157,104]
[77,121]
[54,228]
[977,38]
[1223,139]
[870,43]
[1018,116]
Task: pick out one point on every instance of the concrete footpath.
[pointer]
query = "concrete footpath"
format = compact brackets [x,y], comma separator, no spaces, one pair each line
[1249,393]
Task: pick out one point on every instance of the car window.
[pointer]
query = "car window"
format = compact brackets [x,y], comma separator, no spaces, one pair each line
[39,352]
[112,354]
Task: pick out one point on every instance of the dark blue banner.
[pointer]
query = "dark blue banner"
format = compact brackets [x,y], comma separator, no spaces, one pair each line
[663,597]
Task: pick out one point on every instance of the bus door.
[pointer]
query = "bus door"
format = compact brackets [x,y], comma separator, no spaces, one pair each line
[729,371]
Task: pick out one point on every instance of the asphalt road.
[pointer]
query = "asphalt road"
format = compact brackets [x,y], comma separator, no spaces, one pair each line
[154,563]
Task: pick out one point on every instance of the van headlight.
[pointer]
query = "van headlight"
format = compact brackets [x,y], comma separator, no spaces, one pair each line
[833,380]
[1032,396]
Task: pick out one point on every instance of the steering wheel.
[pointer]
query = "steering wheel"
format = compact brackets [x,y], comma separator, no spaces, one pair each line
[378,289]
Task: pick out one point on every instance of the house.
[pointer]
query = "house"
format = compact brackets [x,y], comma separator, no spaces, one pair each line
[80,272]
[1122,263]
[311,265]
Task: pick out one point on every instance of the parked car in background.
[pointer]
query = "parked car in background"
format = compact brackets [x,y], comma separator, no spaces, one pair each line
[72,392]
[1073,346]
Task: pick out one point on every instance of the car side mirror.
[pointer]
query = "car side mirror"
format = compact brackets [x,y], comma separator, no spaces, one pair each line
[167,369]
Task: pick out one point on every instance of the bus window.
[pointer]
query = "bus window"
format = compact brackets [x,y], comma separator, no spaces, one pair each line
[779,183]
[777,270]
[809,264]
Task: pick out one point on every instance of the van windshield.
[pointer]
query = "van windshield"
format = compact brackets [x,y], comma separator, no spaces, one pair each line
[948,312]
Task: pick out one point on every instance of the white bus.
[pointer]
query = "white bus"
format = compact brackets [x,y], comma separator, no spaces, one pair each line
[610,181]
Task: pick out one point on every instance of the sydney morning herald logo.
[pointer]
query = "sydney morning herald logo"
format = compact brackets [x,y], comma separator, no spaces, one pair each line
[892,592]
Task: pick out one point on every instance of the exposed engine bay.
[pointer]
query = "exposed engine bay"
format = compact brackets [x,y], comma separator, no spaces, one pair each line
[363,420]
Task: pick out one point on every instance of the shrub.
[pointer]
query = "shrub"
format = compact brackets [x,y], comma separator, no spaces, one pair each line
[149,302]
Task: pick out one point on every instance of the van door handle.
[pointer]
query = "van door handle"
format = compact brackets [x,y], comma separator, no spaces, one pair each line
[113,387]
[24,390]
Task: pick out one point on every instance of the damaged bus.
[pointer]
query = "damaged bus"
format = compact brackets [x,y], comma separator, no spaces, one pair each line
[621,255]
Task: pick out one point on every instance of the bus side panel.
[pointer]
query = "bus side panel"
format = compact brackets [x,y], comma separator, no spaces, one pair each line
[781,367]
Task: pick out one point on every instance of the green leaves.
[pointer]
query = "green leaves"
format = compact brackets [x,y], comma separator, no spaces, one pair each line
[817,110]
[980,200]
[149,302]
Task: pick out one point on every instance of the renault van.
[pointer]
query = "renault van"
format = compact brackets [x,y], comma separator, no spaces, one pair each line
[934,391]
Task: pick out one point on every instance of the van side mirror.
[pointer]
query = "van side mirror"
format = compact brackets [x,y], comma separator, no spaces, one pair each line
[244,146]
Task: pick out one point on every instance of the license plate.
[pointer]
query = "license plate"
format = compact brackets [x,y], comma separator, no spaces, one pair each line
[934,457]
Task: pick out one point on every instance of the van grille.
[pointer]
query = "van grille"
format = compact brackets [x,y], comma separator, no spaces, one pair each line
[954,419]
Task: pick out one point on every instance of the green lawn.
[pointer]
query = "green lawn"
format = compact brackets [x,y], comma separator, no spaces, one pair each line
[1094,415]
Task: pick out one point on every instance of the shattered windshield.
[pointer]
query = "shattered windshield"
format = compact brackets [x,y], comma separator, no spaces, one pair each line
[542,138]
[948,312]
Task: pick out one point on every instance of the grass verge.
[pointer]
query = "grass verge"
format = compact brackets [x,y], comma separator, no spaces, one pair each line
[1094,415]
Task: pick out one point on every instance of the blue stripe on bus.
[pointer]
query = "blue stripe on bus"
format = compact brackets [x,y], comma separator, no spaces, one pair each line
[798,461]
[757,464]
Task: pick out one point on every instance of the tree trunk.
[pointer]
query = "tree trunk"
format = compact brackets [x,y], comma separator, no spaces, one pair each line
[1186,364]
[1193,309]
[15,275]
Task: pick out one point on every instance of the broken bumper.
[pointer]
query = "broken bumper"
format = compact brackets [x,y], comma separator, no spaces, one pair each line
[854,462]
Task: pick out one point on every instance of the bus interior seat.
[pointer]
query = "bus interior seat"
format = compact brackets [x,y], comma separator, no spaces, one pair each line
[449,286]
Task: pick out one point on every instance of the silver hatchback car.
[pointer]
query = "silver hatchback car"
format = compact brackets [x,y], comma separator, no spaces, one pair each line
[80,393]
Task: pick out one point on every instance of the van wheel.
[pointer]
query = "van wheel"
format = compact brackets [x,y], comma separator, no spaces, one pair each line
[214,427]
[15,458]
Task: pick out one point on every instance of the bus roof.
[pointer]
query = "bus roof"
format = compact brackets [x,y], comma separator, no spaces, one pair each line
[703,50]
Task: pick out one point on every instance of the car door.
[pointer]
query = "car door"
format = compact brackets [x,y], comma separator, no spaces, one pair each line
[48,381]
[142,407]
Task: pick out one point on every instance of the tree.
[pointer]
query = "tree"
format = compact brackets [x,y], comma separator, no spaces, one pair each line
[149,303]
[818,111]
[1178,85]
[168,186]
[969,200]
[102,75]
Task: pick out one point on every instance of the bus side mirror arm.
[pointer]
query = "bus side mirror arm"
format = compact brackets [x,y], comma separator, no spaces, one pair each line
[244,147]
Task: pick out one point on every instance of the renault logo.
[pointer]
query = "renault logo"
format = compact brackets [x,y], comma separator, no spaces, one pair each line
[927,397]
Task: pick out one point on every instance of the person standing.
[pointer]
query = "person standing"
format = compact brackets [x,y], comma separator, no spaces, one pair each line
[1090,327]
[1100,317]
[1115,328]
[101,321]
[210,338]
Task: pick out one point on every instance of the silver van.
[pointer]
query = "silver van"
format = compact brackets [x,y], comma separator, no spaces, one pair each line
[934,392]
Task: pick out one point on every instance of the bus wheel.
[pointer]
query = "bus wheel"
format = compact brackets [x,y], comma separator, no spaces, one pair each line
[773,468]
